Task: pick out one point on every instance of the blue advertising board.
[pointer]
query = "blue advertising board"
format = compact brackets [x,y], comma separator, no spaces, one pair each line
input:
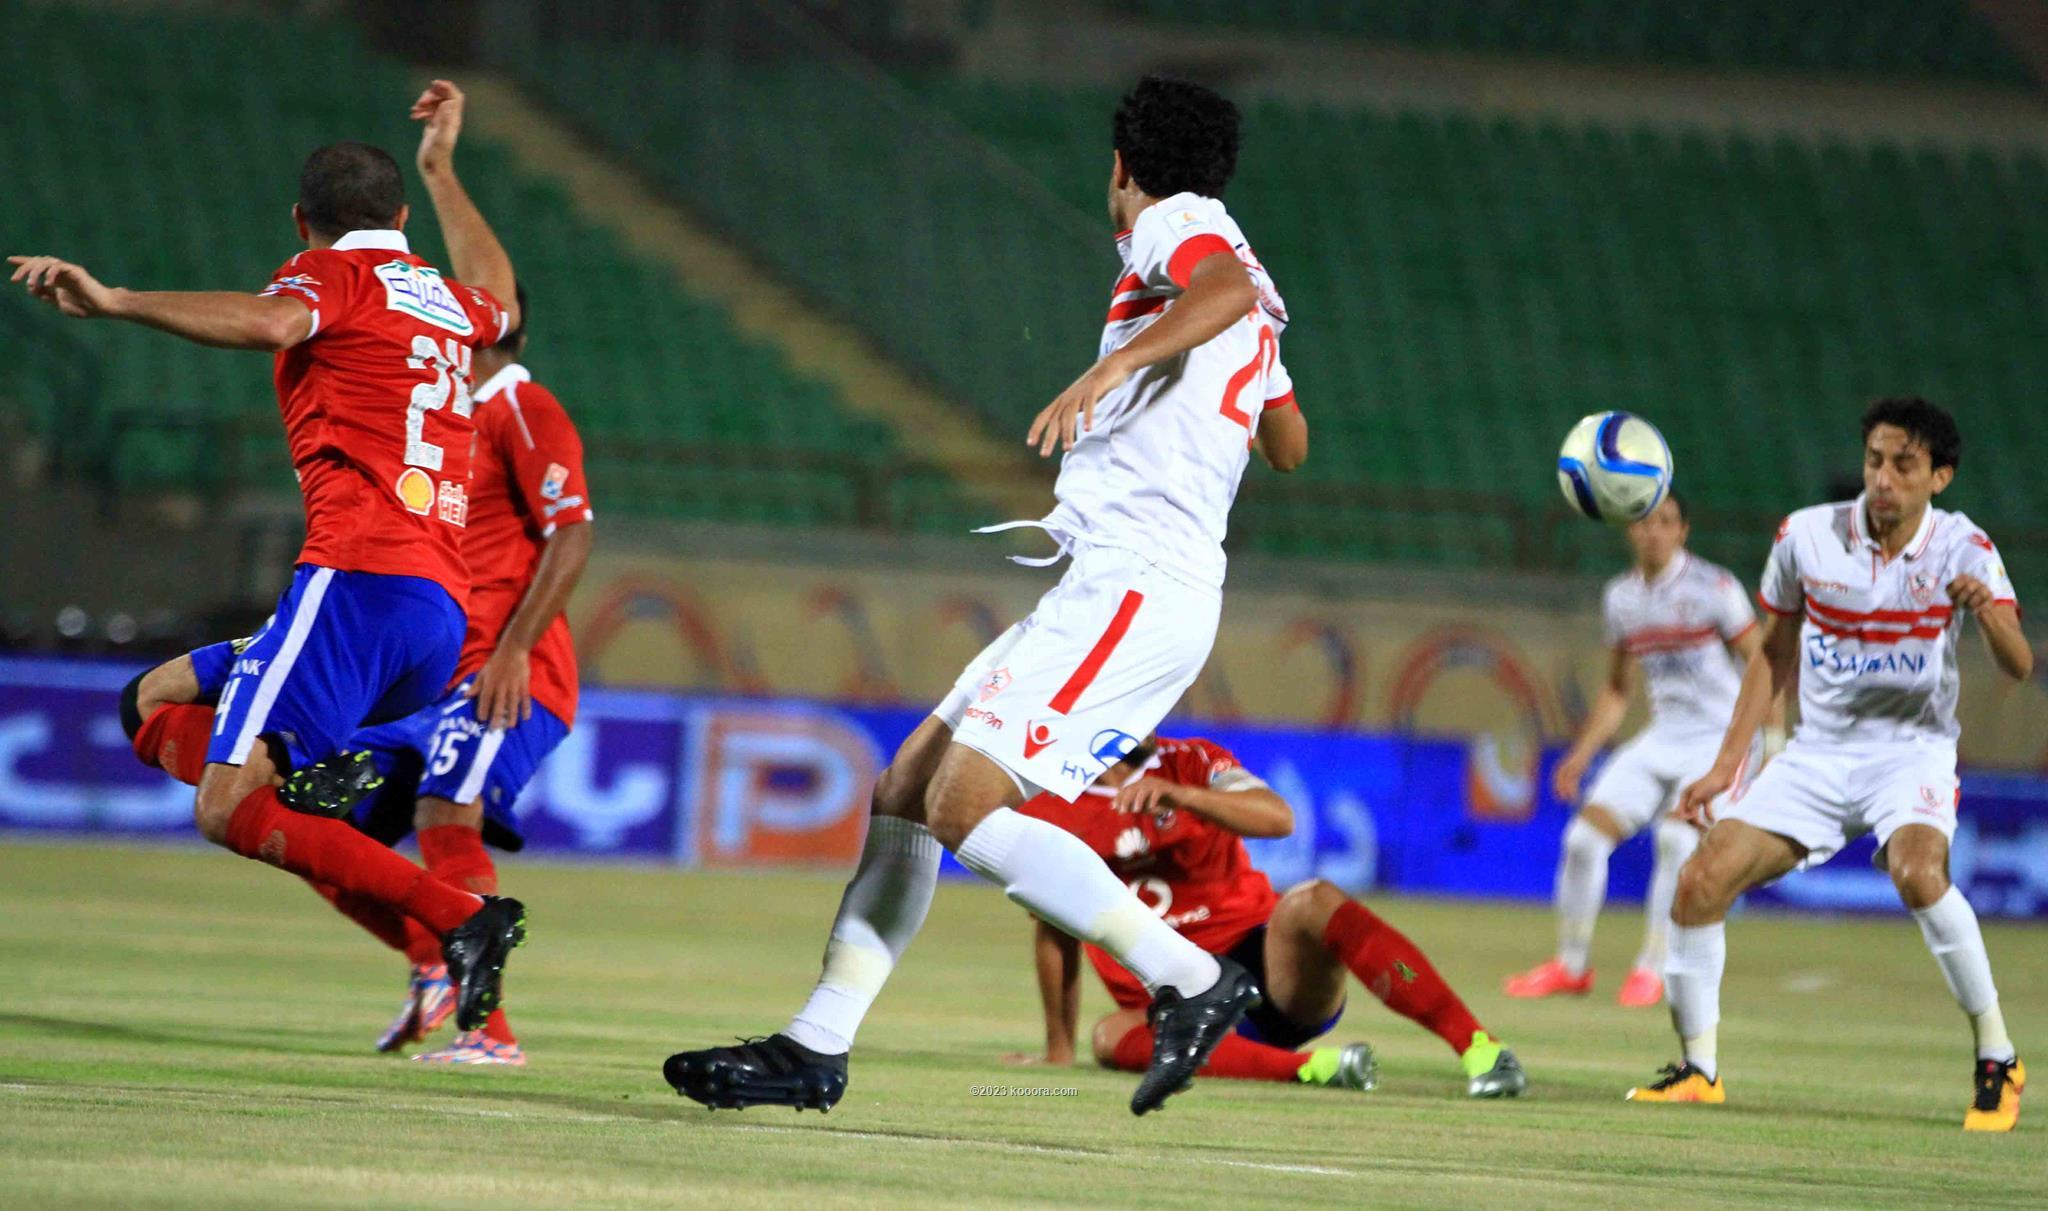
[715,781]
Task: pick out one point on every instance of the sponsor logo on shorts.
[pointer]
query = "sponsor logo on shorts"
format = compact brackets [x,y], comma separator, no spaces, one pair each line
[994,684]
[416,491]
[249,667]
[1111,746]
[1072,771]
[986,717]
[1936,802]
[554,481]
[1037,738]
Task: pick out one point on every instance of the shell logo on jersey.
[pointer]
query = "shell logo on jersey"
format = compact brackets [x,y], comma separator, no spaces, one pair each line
[420,292]
[416,491]
[454,506]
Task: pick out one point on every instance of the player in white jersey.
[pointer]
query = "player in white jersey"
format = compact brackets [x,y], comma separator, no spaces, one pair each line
[1867,601]
[1156,435]
[1687,625]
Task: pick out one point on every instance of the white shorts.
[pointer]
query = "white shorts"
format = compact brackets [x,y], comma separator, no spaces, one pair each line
[1824,796]
[1643,778]
[1064,694]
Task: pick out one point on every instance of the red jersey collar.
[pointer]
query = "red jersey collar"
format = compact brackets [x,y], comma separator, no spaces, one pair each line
[383,239]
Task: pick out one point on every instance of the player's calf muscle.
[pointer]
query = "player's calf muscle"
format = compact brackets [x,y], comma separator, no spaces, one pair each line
[222,789]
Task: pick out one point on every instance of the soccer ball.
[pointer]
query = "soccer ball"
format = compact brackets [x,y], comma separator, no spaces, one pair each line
[1614,467]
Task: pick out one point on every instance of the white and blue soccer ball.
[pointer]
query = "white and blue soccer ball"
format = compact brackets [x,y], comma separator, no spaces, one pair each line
[1614,467]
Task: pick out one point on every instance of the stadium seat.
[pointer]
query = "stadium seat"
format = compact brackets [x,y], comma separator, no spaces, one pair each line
[187,162]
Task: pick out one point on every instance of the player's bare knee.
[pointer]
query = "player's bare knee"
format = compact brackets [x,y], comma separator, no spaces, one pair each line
[441,813]
[1307,906]
[220,793]
[899,793]
[1702,896]
[1920,881]
[951,816]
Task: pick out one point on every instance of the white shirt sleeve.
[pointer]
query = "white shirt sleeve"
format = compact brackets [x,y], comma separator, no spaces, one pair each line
[1733,613]
[1610,618]
[1779,591]
[1167,241]
[1279,384]
[1977,556]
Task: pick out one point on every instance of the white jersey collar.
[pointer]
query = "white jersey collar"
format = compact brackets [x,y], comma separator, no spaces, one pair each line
[1913,549]
[514,373]
[384,239]
[1671,570]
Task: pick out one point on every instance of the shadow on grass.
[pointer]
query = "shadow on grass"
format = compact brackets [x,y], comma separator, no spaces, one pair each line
[103,1032]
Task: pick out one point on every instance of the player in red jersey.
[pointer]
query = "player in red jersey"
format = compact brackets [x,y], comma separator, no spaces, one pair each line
[455,768]
[373,351]
[1170,819]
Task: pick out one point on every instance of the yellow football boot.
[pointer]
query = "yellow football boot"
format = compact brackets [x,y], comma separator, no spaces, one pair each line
[1681,1083]
[1997,1104]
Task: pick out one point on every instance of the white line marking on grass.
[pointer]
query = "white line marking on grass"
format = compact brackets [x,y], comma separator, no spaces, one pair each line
[1809,981]
[1319,1169]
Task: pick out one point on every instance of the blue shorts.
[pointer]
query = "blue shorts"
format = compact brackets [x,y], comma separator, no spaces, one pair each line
[342,650]
[443,752]
[1266,1024]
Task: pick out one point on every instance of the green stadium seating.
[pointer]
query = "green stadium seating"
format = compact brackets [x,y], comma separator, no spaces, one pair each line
[1464,289]
[148,149]
[1918,37]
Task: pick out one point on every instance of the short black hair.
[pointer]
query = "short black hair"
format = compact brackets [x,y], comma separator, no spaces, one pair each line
[350,186]
[512,342]
[1671,494]
[1176,137]
[1928,425]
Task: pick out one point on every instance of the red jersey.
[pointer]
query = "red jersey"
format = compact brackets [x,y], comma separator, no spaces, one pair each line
[1194,873]
[376,406]
[526,481]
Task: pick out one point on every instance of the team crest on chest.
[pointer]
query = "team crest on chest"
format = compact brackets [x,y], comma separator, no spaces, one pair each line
[1924,586]
[994,684]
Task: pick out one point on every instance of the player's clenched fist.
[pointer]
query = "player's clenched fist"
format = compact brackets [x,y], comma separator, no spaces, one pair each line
[440,107]
[63,285]
[1970,593]
[1148,797]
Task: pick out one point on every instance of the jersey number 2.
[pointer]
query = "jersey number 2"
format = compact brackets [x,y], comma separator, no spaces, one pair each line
[1256,369]
[451,382]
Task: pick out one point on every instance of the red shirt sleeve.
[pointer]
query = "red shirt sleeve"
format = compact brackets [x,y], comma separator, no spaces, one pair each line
[320,281]
[490,317]
[547,460]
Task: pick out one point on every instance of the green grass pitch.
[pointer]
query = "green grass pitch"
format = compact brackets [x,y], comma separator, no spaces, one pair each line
[179,1028]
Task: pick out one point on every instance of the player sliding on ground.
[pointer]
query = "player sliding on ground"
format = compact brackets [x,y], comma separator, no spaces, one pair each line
[372,350]
[1156,434]
[1688,626]
[1867,600]
[454,769]
[1170,819]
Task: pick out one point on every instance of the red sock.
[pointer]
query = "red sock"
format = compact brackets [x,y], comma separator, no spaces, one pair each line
[332,852]
[455,854]
[1398,973]
[174,739]
[1236,1056]
[421,946]
[384,923]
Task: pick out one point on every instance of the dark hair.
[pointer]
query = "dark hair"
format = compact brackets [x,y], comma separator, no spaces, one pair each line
[350,186]
[1176,137]
[1928,425]
[1671,494]
[515,340]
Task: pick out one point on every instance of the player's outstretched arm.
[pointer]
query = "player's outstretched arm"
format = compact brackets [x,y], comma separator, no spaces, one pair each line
[225,319]
[1057,958]
[504,688]
[473,249]
[1769,672]
[1745,647]
[2000,621]
[1610,706]
[1220,292]
[1283,438]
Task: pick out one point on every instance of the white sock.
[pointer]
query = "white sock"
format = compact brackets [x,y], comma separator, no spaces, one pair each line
[1692,984]
[1581,888]
[1950,927]
[883,908]
[1050,871]
[1675,843]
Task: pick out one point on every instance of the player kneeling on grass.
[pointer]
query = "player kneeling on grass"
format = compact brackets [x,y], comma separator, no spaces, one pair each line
[1170,819]
[1866,599]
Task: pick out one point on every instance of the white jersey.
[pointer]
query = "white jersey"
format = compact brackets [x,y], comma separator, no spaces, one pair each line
[1878,644]
[1678,628]
[1158,472]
